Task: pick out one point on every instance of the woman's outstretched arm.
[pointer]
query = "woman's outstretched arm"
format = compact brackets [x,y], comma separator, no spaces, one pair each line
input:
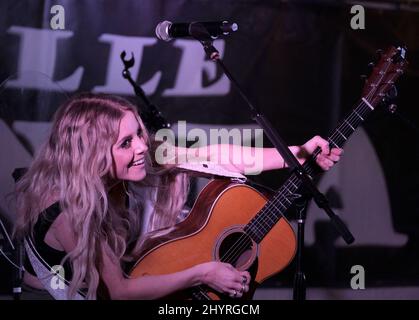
[250,160]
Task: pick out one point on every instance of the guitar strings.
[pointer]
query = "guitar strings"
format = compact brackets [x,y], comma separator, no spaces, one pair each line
[342,131]
[295,181]
[350,118]
[238,247]
[241,243]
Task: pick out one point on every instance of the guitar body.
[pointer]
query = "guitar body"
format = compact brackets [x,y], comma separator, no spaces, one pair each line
[214,225]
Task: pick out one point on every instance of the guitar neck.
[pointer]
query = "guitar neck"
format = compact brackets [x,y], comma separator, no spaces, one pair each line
[274,209]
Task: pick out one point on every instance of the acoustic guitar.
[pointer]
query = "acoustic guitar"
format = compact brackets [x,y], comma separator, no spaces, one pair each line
[234,223]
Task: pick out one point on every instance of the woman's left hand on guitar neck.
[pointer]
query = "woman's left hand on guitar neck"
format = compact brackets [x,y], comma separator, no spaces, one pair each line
[326,159]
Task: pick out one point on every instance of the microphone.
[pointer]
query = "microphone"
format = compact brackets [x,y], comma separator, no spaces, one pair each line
[167,30]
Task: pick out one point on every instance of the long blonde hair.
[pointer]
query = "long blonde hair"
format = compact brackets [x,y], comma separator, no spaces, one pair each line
[75,164]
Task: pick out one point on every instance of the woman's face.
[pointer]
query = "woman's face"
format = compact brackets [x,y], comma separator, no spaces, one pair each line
[129,151]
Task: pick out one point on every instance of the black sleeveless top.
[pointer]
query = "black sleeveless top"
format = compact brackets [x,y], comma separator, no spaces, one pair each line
[53,256]
[50,255]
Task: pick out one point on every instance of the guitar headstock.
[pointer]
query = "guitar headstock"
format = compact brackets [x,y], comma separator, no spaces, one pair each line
[390,66]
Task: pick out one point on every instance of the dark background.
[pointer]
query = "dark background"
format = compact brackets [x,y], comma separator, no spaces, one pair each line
[299,61]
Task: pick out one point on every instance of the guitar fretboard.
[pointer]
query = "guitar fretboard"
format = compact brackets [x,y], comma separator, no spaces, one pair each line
[274,209]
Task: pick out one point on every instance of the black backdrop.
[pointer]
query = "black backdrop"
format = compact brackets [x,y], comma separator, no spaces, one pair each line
[299,61]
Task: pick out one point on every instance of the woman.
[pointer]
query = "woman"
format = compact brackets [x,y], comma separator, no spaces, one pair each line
[70,201]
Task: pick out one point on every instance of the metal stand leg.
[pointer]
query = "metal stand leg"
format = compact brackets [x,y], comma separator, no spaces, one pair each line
[299,293]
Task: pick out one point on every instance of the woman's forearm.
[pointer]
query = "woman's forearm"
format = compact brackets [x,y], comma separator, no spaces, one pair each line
[158,286]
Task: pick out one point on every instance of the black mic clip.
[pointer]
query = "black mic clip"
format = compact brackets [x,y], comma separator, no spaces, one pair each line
[200,33]
[152,117]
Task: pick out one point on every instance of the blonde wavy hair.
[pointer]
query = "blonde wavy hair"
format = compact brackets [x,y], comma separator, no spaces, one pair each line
[75,165]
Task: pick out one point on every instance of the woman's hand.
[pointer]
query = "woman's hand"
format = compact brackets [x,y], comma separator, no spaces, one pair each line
[326,159]
[224,278]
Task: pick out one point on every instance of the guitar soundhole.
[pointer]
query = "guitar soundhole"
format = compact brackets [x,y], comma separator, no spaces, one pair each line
[237,249]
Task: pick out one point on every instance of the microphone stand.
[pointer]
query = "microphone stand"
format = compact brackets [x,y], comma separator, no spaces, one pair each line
[16,261]
[150,114]
[299,293]
[18,255]
[19,251]
[199,32]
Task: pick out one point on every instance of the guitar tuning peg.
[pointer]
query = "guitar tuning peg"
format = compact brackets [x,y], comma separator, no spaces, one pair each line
[371,65]
[363,77]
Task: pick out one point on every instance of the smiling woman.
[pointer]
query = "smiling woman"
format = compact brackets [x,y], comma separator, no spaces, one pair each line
[130,149]
[72,203]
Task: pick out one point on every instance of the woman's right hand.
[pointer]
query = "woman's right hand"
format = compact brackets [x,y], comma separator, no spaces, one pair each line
[224,278]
